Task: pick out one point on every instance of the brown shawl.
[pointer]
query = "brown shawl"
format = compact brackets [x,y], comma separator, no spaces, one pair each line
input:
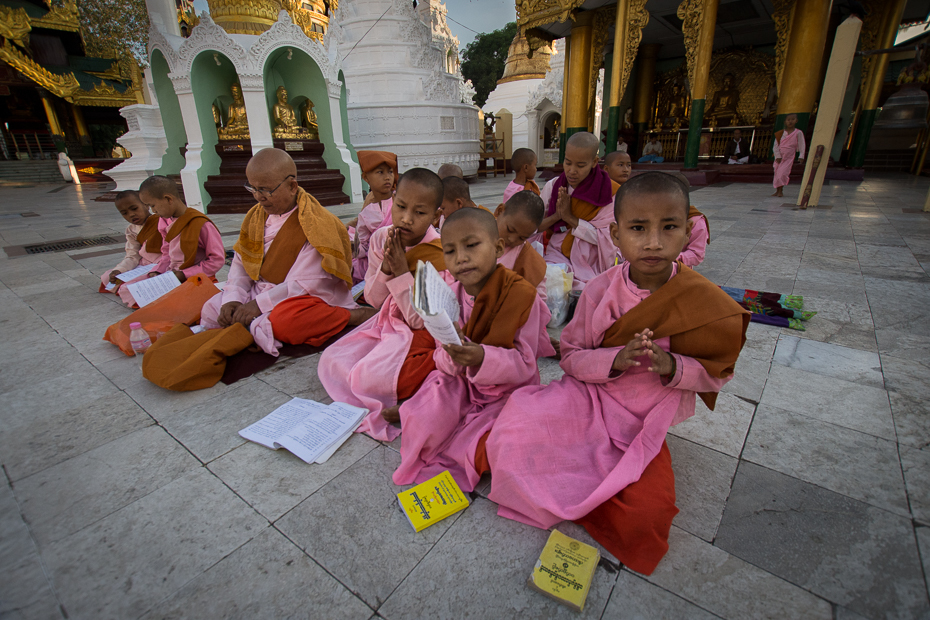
[501,308]
[530,265]
[321,229]
[150,236]
[188,226]
[702,321]
[584,211]
[531,186]
[430,252]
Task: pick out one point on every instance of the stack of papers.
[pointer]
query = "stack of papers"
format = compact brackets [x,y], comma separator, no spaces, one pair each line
[436,304]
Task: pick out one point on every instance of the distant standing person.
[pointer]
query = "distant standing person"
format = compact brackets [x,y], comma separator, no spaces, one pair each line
[787,141]
[652,152]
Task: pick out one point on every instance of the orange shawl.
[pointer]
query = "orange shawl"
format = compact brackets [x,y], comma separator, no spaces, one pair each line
[584,211]
[531,186]
[188,226]
[430,252]
[501,308]
[530,265]
[150,236]
[701,320]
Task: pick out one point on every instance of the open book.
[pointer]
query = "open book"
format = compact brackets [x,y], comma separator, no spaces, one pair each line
[436,304]
[311,430]
[148,290]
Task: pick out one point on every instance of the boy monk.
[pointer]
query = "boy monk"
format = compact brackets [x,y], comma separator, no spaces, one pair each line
[504,332]
[386,359]
[517,221]
[191,244]
[577,224]
[648,336]
[379,170]
[788,141]
[143,241]
[289,279]
[619,166]
[455,196]
[523,162]
[450,170]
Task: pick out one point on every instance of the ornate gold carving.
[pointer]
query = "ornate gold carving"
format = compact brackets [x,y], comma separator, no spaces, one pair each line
[868,40]
[63,16]
[690,12]
[15,25]
[113,73]
[313,23]
[604,18]
[535,13]
[244,16]
[782,16]
[61,85]
[102,95]
[636,21]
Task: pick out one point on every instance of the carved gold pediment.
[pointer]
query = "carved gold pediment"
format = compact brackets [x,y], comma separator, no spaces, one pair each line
[15,25]
[112,73]
[62,16]
[60,85]
[535,13]
[103,95]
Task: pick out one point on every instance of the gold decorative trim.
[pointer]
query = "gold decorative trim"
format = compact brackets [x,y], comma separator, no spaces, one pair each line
[61,85]
[604,18]
[306,19]
[15,25]
[113,73]
[690,13]
[536,13]
[104,95]
[62,16]
[868,40]
[636,21]
[782,16]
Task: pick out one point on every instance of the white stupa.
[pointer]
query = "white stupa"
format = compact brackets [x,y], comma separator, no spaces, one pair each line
[405,91]
[522,76]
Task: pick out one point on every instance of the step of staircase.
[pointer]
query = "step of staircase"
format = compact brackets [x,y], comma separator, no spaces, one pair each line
[32,171]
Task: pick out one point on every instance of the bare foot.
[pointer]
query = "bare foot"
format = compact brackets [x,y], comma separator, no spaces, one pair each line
[778,194]
[391,415]
[557,346]
[360,315]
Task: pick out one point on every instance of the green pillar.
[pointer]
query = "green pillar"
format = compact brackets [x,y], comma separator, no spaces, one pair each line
[562,139]
[694,133]
[861,139]
[612,127]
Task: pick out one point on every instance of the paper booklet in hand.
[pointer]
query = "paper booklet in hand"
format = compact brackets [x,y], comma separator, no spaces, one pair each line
[311,430]
[148,290]
[435,302]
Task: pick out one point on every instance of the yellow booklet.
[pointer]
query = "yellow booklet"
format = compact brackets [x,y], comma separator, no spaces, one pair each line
[432,501]
[565,569]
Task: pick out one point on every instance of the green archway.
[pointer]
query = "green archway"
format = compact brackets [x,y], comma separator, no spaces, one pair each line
[212,75]
[173,159]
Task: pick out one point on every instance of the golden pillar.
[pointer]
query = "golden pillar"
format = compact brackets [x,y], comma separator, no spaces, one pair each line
[616,74]
[645,76]
[53,124]
[579,65]
[872,90]
[799,83]
[83,131]
[700,21]
[565,67]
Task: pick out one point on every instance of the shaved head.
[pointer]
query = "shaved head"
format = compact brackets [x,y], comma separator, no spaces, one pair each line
[455,187]
[527,204]
[450,170]
[159,186]
[272,160]
[614,155]
[585,141]
[477,218]
[653,182]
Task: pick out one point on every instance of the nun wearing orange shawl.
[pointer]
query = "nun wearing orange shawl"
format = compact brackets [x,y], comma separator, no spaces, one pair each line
[289,281]
[379,170]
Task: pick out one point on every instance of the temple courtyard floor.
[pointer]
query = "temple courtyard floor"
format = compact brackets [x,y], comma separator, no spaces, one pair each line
[806,494]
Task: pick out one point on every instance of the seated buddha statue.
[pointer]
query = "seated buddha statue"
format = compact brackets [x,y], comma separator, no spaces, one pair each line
[237,123]
[285,120]
[676,107]
[723,107]
[309,120]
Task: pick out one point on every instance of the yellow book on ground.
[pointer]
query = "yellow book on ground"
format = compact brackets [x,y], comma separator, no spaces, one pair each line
[432,501]
[565,569]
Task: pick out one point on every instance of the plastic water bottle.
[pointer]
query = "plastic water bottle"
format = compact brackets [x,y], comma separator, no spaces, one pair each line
[139,339]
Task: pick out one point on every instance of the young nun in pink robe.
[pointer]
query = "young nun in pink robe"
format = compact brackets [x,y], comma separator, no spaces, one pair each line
[369,367]
[139,252]
[647,337]
[379,170]
[577,222]
[517,222]
[788,141]
[504,324]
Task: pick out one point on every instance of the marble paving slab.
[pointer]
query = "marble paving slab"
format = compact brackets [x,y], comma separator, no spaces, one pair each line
[634,598]
[916,467]
[723,429]
[857,366]
[855,555]
[702,485]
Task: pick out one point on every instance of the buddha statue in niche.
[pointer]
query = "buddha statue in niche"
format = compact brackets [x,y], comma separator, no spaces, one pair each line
[237,122]
[722,109]
[285,119]
[308,116]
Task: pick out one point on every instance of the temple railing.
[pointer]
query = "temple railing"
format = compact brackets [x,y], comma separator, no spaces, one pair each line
[713,142]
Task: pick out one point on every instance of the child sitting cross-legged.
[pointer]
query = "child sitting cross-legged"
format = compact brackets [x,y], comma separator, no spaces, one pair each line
[517,222]
[143,239]
[504,332]
[648,337]
[387,358]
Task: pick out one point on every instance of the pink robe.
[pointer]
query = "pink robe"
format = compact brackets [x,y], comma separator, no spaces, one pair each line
[693,253]
[592,253]
[210,258]
[374,216]
[512,188]
[557,452]
[306,277]
[136,255]
[510,257]
[363,367]
[785,149]
[456,406]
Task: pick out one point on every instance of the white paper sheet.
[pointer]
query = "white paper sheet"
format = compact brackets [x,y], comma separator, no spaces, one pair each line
[148,290]
[110,286]
[132,274]
[357,290]
[311,430]
[436,304]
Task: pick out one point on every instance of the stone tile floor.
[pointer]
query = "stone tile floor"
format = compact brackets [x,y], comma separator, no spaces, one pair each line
[806,494]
